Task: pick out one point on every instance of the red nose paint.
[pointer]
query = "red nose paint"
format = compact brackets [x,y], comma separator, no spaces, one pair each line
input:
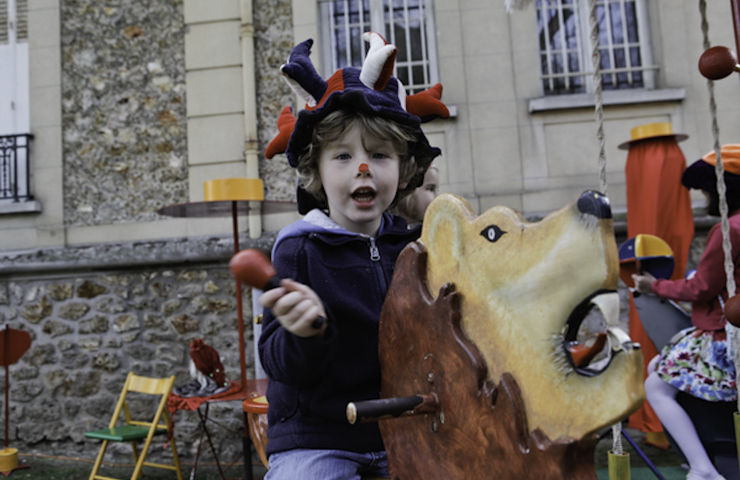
[363,168]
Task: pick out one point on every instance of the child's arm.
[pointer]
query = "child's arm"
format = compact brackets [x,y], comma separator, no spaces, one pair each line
[297,307]
[709,280]
[286,356]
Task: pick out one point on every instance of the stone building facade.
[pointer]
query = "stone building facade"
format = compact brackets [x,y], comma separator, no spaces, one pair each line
[99,310]
[133,105]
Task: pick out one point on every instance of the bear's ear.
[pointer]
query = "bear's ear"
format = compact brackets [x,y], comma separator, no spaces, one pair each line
[445,222]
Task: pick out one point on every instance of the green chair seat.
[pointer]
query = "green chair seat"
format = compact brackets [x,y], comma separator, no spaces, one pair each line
[141,427]
[123,433]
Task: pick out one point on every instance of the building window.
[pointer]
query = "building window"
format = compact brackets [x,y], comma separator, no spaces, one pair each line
[408,24]
[14,103]
[565,45]
[14,151]
[14,95]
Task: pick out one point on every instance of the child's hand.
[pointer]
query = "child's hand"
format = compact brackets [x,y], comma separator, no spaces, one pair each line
[644,282]
[297,308]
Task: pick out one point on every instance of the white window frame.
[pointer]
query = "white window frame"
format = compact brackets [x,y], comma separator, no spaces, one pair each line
[584,47]
[14,68]
[376,20]
[14,102]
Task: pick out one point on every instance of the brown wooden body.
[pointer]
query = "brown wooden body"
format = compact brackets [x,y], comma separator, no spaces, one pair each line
[480,430]
[258,434]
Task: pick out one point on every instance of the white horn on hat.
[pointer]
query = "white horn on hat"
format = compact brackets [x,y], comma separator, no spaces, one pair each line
[378,65]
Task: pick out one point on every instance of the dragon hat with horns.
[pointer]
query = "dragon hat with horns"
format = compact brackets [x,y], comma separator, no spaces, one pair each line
[370,90]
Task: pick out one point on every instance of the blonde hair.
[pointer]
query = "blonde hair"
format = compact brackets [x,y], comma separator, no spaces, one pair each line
[333,126]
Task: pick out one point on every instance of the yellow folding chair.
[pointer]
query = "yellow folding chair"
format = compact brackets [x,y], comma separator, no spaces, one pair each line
[136,430]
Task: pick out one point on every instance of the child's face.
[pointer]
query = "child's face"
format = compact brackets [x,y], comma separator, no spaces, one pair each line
[423,196]
[357,200]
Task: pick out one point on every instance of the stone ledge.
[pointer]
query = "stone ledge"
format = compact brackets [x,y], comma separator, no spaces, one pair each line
[30,206]
[610,97]
[123,256]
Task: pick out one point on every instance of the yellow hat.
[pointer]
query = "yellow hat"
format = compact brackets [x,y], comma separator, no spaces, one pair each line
[652,130]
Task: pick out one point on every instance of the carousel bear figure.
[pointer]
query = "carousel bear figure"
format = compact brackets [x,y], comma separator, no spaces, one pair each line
[483,315]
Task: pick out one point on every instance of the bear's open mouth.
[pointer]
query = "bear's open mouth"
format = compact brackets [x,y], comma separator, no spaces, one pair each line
[590,350]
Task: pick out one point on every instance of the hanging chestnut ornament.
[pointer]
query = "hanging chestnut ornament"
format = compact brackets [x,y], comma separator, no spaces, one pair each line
[732,310]
[717,63]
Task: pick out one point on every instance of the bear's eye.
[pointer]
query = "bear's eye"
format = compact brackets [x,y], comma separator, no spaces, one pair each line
[492,233]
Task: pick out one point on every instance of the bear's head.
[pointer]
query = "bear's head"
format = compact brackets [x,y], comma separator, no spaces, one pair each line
[525,290]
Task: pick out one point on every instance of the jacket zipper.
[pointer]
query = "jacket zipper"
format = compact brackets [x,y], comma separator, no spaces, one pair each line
[374,252]
[375,259]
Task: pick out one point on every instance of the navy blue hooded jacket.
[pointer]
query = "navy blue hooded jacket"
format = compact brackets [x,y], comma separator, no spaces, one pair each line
[313,379]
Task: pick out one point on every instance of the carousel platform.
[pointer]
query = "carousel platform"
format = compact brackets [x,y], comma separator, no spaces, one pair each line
[43,467]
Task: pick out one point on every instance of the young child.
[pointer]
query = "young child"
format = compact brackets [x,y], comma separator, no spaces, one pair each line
[413,206]
[357,150]
[697,363]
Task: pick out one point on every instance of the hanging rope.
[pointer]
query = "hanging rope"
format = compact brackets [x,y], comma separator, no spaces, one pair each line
[598,96]
[599,112]
[733,334]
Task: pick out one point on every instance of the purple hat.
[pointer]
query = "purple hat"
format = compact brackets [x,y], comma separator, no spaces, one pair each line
[370,90]
[701,174]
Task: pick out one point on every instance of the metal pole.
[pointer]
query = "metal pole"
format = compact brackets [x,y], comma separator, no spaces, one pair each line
[7,382]
[239,313]
[735,5]
[246,441]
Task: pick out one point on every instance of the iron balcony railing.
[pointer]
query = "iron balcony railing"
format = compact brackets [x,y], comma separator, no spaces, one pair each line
[14,172]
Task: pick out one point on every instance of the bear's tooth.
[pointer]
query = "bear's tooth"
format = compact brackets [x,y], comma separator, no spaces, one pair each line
[608,303]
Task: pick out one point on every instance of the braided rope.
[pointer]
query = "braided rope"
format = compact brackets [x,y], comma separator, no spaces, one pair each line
[598,96]
[733,334]
[617,448]
[599,112]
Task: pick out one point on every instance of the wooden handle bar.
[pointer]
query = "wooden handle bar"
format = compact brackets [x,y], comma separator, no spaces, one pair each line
[374,410]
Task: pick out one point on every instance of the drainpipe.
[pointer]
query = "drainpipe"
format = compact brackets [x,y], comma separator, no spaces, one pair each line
[251,152]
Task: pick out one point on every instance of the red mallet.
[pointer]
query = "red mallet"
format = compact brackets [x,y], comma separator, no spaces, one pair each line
[717,63]
[732,310]
[253,268]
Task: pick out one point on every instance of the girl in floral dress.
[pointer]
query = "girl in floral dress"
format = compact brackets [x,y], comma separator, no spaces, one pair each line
[699,362]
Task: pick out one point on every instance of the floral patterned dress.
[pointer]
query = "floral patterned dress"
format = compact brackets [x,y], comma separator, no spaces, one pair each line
[699,364]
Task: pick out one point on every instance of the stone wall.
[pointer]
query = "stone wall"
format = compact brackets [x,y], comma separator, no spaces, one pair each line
[96,313]
[273,43]
[123,109]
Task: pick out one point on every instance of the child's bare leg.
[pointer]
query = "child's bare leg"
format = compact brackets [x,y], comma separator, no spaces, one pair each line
[662,398]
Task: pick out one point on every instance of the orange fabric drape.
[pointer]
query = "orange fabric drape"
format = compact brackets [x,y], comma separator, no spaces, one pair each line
[657,204]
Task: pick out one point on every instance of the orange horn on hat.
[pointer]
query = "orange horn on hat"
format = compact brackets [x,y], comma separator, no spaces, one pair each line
[427,104]
[279,144]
